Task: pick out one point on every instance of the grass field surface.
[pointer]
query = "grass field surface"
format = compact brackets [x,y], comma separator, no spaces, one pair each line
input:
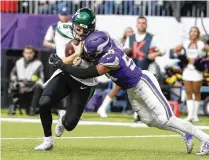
[95,142]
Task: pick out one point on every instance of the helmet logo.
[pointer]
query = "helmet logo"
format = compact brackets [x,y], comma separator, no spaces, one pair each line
[101,46]
[83,25]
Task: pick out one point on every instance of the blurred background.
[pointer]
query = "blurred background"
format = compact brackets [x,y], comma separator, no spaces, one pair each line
[33,23]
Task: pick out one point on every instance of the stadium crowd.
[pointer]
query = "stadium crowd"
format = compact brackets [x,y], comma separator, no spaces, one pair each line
[118,7]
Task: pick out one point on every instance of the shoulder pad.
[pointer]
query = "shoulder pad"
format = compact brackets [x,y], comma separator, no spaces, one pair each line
[109,60]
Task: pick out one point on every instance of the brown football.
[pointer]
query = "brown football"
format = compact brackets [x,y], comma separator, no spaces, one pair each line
[69,50]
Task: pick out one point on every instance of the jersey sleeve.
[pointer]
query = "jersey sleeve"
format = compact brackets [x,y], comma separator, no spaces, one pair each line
[65,30]
[49,34]
[109,60]
[60,43]
[63,35]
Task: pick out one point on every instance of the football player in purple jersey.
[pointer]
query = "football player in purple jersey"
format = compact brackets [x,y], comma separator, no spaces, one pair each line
[142,87]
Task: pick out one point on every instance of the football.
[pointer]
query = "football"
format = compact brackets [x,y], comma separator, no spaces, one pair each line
[69,50]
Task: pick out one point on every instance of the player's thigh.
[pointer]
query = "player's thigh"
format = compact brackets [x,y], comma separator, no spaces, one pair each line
[196,85]
[152,95]
[77,101]
[139,106]
[57,88]
[188,86]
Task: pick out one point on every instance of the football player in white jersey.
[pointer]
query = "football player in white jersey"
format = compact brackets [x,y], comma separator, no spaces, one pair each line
[61,84]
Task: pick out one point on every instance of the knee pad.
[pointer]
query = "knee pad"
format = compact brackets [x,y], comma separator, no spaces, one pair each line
[44,100]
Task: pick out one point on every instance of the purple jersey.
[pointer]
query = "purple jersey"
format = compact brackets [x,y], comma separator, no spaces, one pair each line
[125,73]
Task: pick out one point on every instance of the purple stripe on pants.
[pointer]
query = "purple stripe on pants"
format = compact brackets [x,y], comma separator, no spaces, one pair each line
[158,93]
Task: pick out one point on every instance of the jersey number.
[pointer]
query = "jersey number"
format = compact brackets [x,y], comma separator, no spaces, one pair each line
[129,63]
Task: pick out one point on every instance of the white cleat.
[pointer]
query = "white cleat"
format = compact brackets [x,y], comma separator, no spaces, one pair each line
[47,144]
[189,142]
[102,113]
[204,149]
[59,129]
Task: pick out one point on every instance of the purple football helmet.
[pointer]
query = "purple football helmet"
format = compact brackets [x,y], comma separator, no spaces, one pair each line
[96,44]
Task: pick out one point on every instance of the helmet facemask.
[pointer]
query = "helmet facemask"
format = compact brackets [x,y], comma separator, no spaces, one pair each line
[84,22]
[78,28]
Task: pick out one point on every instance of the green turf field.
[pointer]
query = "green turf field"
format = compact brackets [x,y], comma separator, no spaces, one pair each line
[95,143]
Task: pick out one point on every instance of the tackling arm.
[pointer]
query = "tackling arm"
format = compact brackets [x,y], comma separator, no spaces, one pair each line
[93,71]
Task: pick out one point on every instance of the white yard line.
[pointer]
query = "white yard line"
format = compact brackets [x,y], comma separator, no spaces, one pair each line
[127,124]
[98,137]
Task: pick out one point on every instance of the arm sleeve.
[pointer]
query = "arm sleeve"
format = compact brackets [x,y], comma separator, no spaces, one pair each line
[80,72]
[61,43]
[49,34]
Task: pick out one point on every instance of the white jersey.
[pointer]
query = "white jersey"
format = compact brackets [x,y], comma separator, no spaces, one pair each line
[63,34]
[50,34]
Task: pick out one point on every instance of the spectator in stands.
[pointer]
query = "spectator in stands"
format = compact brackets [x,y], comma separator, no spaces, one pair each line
[143,45]
[27,80]
[127,33]
[192,77]
[49,37]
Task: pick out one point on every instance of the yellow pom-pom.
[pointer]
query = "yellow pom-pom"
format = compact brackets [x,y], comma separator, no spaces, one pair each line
[179,76]
[34,78]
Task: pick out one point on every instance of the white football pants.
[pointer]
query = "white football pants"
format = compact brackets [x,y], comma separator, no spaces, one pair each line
[154,110]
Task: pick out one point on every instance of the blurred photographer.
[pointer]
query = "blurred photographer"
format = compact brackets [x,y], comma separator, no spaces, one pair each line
[26,81]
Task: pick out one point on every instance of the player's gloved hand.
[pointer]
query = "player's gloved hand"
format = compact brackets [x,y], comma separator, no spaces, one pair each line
[55,61]
[78,49]
[77,61]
